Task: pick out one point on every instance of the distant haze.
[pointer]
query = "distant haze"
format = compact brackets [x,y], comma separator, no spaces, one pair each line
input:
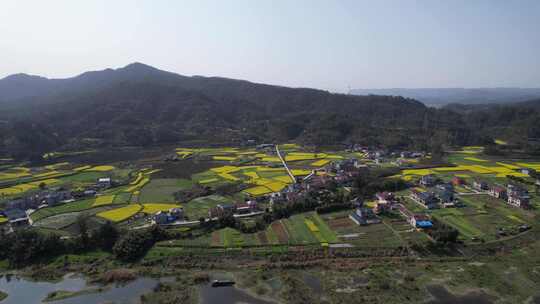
[438,97]
[323,44]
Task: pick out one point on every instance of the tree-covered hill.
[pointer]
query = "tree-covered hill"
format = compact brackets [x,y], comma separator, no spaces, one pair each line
[141,105]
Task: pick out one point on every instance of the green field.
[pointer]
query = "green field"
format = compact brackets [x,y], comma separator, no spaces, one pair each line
[65,208]
[162,190]
[200,206]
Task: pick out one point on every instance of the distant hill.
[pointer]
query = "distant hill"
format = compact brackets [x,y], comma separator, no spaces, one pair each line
[443,96]
[142,105]
[139,105]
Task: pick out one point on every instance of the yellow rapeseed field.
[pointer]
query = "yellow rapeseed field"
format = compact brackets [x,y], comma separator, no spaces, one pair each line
[475,159]
[312,227]
[509,166]
[50,173]
[139,185]
[516,174]
[154,207]
[266,169]
[103,168]
[420,172]
[103,200]
[184,154]
[82,168]
[138,179]
[225,169]
[121,214]
[451,169]
[271,159]
[276,186]
[56,166]
[208,181]
[283,178]
[300,172]
[228,158]
[320,163]
[252,174]
[228,176]
[257,191]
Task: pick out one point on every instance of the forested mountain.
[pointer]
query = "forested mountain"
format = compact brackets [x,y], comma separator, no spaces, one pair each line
[444,96]
[141,105]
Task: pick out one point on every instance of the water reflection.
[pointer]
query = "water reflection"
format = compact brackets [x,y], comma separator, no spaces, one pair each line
[20,291]
[443,296]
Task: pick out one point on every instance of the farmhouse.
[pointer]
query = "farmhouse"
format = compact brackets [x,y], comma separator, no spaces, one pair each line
[318,182]
[528,171]
[104,182]
[173,215]
[245,208]
[17,218]
[445,196]
[416,220]
[498,192]
[421,221]
[364,216]
[517,196]
[220,210]
[480,185]
[428,180]
[426,199]
[357,202]
[458,181]
[56,197]
[385,197]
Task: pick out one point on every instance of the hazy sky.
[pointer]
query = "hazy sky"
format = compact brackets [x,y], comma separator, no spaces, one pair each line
[324,44]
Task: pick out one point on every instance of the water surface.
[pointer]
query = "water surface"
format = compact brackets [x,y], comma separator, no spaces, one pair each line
[21,291]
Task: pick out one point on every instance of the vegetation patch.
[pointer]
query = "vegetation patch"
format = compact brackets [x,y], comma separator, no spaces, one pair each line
[101,168]
[258,191]
[121,214]
[162,189]
[103,200]
[154,208]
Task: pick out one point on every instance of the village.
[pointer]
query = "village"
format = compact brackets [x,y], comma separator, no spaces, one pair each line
[417,201]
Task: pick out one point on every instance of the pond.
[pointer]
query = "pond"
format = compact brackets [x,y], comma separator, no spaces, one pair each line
[226,295]
[20,290]
[442,296]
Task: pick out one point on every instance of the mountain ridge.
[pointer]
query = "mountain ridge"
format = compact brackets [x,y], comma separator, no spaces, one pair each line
[141,105]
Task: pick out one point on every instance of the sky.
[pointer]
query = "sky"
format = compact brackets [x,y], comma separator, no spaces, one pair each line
[326,44]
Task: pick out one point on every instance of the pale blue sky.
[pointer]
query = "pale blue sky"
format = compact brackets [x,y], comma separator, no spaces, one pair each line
[311,43]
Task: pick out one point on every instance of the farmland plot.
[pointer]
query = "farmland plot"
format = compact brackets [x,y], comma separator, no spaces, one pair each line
[121,214]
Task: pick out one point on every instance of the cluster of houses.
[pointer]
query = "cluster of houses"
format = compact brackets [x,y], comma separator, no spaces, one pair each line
[339,173]
[379,155]
[514,195]
[387,201]
[238,209]
[169,217]
[437,194]
[17,210]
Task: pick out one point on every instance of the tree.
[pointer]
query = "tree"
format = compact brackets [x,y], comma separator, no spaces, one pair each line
[106,236]
[133,245]
[83,232]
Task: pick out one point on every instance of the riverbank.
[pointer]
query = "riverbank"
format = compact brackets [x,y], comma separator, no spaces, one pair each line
[58,295]
[304,276]
[3,295]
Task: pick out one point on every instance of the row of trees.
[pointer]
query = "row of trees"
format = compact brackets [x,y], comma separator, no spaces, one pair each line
[28,246]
